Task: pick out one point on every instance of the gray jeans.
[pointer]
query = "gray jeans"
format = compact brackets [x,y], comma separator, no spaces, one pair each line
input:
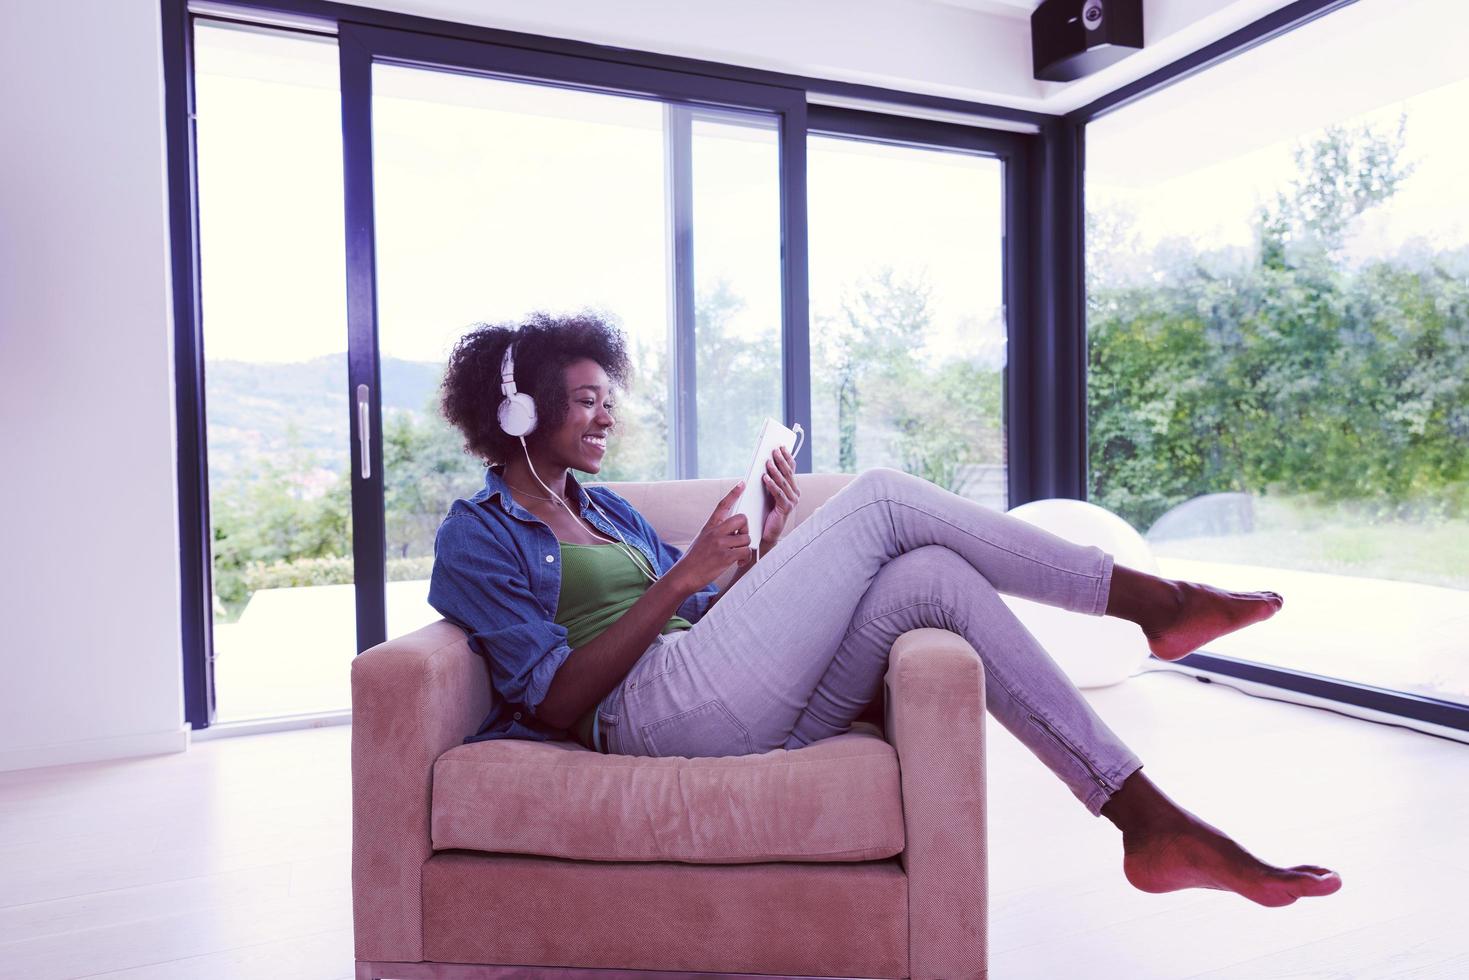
[795,650]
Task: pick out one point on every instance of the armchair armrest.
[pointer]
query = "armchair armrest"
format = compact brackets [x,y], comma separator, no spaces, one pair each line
[413,698]
[934,719]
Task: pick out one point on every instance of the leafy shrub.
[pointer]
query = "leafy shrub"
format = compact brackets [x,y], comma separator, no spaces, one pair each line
[333,570]
[1288,372]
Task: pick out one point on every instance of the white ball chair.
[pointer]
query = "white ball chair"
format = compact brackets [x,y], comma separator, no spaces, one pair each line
[1093,651]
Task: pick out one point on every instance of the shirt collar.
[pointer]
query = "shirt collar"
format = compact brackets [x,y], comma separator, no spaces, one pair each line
[500,492]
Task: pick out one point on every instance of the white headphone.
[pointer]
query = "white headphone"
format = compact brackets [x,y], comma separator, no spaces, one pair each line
[518,418]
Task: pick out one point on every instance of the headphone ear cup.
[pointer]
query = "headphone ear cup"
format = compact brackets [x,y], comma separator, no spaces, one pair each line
[518,414]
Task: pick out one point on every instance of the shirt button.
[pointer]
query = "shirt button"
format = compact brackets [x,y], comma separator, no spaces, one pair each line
[517,716]
[550,558]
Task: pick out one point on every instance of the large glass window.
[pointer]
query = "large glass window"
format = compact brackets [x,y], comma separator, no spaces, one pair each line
[492,199]
[907,313]
[1278,325]
[496,198]
[658,201]
[737,284]
[275,336]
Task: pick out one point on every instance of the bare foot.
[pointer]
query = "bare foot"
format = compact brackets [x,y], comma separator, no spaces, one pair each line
[1201,613]
[1189,853]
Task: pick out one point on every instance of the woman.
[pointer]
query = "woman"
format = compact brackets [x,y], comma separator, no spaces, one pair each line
[594,628]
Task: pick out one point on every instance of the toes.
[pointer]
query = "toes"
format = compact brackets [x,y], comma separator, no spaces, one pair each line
[1256,596]
[1315,880]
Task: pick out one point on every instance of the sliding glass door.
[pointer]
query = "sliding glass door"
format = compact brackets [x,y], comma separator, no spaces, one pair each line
[474,184]
[483,184]
[274,331]
[494,199]
[365,195]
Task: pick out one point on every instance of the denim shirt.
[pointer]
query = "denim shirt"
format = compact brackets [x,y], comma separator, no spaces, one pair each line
[497,576]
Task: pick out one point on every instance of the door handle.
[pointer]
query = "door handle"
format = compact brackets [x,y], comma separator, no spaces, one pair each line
[364,430]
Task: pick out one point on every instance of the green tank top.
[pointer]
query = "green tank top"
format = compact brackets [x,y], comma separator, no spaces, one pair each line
[599,582]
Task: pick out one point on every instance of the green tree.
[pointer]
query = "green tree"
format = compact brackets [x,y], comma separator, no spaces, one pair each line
[945,421]
[1295,373]
[271,516]
[1339,176]
[639,448]
[882,323]
[738,381]
[424,468]
[934,420]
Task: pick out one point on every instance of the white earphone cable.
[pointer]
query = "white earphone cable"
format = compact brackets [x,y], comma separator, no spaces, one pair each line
[636,558]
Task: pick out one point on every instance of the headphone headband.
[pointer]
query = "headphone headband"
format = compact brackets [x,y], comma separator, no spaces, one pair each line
[507,370]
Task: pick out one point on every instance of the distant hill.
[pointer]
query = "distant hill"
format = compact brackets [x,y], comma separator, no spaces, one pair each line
[257,409]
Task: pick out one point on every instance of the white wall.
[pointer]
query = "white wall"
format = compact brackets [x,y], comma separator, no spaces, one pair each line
[89,640]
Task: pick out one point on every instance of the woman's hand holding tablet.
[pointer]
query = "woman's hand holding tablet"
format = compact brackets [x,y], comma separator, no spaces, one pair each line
[757,501]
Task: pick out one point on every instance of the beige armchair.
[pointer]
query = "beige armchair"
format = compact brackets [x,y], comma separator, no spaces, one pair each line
[862,855]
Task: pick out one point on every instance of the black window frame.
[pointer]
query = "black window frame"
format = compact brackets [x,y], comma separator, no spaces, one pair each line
[1434,711]
[1016,153]
[361,46]
[365,34]
[1046,395]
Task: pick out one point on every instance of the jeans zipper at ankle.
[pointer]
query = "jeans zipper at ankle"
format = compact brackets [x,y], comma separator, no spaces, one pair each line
[1096,776]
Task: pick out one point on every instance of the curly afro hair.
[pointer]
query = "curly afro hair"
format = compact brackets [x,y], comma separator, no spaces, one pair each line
[544,345]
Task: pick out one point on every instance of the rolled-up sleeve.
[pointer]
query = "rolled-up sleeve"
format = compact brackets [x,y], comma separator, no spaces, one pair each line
[695,606]
[479,583]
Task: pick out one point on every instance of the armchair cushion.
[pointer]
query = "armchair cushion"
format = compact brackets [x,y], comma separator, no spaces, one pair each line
[836,800]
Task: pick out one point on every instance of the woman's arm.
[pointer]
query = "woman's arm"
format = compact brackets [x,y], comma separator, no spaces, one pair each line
[740,571]
[595,668]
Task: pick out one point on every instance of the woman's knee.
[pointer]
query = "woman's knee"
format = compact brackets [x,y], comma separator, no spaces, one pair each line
[932,572]
[928,586]
[882,481]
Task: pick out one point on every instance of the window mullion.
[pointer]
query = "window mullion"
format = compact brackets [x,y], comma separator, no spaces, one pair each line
[683,390]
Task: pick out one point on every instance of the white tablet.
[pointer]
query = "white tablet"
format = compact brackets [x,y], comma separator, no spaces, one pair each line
[755,501]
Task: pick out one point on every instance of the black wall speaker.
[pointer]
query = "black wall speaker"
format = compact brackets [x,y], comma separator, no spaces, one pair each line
[1072,38]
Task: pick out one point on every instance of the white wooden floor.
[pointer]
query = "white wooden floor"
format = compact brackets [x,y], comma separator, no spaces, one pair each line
[232,860]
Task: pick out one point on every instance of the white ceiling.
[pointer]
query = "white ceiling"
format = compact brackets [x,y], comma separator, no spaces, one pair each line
[973,50]
[1009,8]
